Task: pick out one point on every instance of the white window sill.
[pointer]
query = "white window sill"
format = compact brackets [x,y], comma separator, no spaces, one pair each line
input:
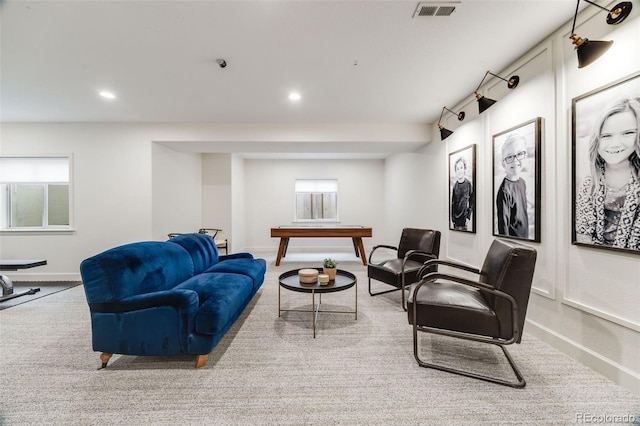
[38,230]
[316,221]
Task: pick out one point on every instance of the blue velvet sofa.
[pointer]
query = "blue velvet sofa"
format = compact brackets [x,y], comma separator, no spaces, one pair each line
[167,298]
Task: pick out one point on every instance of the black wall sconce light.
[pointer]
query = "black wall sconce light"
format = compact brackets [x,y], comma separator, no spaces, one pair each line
[445,133]
[590,50]
[485,103]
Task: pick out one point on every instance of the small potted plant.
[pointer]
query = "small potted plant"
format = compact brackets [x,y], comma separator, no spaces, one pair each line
[329,268]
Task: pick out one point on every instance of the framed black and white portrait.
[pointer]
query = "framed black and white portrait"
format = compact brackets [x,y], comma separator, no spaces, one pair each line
[606,166]
[516,181]
[462,194]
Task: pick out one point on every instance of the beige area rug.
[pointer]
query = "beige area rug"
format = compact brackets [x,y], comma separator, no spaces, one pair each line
[270,370]
[32,290]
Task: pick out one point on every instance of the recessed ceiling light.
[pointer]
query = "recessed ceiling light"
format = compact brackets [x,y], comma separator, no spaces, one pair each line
[107,95]
[294,96]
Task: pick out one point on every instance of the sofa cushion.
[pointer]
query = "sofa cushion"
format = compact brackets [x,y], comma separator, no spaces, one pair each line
[135,268]
[222,297]
[201,247]
[253,268]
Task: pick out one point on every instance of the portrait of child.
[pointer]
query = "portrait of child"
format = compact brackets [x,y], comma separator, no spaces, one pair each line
[606,195]
[516,201]
[461,190]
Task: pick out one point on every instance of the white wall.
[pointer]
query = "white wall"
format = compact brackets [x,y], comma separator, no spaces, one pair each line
[239,205]
[409,192]
[176,188]
[216,194]
[584,300]
[269,197]
[462,246]
[598,291]
[133,182]
[111,192]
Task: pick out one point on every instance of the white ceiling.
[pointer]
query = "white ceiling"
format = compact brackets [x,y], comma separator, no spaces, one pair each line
[354,62]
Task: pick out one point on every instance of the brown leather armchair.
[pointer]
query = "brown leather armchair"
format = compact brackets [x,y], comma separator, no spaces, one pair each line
[416,247]
[491,309]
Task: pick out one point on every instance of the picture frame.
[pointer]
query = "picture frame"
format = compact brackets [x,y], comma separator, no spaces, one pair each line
[462,193]
[605,167]
[516,181]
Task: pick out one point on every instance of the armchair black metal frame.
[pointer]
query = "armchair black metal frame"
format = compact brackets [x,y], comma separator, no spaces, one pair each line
[507,334]
[411,253]
[389,275]
[219,243]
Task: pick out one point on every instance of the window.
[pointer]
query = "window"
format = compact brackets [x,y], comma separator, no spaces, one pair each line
[316,200]
[34,193]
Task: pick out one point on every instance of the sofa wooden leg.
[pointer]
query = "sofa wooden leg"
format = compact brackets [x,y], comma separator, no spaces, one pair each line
[201,360]
[105,357]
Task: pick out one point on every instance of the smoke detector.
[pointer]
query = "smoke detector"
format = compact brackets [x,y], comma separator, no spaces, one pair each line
[428,9]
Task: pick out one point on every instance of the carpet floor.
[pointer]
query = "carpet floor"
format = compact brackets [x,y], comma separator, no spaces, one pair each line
[269,370]
[43,289]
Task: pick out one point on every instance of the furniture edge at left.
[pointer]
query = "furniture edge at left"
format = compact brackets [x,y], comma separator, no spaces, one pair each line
[167,298]
[14,265]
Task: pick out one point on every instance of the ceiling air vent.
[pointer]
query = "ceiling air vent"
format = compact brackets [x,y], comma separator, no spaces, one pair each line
[435,9]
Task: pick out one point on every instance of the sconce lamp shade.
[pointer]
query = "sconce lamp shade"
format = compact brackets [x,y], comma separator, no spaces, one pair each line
[483,102]
[589,51]
[444,133]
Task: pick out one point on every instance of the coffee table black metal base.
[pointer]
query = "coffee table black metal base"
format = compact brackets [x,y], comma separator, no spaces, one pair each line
[344,280]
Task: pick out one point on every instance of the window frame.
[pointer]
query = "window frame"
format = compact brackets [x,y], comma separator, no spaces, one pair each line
[296,192]
[8,219]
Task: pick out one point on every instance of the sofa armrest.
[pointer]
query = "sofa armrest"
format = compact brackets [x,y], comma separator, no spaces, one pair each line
[235,256]
[179,298]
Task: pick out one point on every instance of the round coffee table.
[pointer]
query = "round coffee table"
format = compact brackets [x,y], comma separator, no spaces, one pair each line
[344,280]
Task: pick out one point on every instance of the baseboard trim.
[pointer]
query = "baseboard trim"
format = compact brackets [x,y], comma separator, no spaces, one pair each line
[613,371]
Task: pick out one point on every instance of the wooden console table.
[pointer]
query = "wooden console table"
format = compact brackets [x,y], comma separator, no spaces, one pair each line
[356,233]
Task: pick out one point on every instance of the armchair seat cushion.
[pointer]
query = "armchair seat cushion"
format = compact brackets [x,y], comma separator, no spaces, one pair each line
[221,297]
[390,271]
[453,306]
